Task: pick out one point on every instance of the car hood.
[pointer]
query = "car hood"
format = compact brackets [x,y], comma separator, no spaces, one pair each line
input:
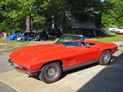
[29,55]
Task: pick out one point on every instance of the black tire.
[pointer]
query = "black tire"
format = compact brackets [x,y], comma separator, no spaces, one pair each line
[50,72]
[105,57]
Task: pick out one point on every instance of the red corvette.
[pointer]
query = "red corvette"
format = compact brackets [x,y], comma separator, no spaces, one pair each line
[69,52]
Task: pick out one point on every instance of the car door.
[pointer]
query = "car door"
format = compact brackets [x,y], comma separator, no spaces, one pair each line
[88,53]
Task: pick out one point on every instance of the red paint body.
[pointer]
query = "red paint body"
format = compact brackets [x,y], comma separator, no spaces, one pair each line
[34,57]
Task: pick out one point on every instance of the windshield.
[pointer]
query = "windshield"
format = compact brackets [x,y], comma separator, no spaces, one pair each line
[69,40]
[113,27]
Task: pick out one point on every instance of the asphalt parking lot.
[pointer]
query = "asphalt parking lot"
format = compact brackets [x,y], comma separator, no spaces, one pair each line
[92,78]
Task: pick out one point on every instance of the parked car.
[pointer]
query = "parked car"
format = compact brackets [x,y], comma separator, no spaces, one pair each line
[119,30]
[112,29]
[70,51]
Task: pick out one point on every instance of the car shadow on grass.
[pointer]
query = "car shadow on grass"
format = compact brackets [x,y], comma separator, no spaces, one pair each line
[109,35]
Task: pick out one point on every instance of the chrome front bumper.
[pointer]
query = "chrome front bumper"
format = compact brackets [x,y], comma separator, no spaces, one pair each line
[22,70]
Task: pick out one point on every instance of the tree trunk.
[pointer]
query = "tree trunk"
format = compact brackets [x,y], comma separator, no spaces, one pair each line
[31,20]
[28,24]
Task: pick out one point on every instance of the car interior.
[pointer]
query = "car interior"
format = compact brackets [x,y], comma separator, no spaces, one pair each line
[86,43]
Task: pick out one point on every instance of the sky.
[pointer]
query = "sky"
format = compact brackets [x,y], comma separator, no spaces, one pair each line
[102,0]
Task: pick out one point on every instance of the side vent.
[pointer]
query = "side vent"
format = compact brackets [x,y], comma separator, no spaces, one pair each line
[70,62]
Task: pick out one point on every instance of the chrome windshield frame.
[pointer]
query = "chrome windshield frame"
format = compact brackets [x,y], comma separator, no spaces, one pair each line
[81,38]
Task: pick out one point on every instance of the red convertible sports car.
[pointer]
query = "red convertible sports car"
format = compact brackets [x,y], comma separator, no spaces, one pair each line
[69,52]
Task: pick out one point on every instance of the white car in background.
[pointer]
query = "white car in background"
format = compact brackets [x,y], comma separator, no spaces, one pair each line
[112,29]
[119,30]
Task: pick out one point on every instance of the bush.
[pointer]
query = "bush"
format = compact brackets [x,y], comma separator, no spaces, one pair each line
[9,27]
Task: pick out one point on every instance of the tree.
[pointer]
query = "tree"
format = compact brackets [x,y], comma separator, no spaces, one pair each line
[45,12]
[18,10]
[53,10]
[118,9]
[84,9]
[113,15]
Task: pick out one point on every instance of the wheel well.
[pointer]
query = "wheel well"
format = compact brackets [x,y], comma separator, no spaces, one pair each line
[105,50]
[109,49]
[52,62]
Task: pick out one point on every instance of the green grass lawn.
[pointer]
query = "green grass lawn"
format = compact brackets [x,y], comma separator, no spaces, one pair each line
[110,37]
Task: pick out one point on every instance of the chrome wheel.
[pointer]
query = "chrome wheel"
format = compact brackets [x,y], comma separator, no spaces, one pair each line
[51,72]
[105,57]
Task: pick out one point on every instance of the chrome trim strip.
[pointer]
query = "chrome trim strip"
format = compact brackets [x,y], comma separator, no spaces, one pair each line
[25,71]
[82,37]
[80,65]
[11,64]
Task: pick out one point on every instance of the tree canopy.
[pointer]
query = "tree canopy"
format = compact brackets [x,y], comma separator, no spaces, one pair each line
[14,13]
[113,16]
